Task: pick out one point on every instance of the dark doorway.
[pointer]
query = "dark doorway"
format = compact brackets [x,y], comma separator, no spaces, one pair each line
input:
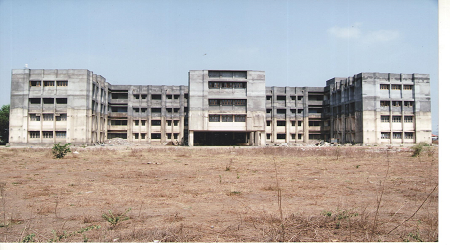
[220,138]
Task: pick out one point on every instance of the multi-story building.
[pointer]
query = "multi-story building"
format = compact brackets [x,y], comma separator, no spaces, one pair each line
[218,107]
[377,108]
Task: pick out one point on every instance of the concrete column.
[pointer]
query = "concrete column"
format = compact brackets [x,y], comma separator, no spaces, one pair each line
[191,138]
[252,138]
[305,130]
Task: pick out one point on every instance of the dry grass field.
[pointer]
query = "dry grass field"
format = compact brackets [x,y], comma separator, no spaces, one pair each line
[180,194]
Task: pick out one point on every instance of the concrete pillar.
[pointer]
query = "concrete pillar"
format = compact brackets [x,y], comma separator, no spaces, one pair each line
[252,138]
[191,138]
[305,130]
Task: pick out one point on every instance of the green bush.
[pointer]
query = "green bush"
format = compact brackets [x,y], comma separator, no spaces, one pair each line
[419,148]
[59,151]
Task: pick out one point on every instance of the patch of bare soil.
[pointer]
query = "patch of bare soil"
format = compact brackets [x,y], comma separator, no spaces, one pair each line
[180,194]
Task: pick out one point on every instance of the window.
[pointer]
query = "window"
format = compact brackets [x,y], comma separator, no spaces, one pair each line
[143,136]
[396,118]
[175,136]
[396,104]
[176,110]
[62,83]
[227,85]
[186,96]
[228,74]
[314,123]
[213,85]
[35,84]
[49,83]
[34,134]
[299,123]
[136,96]
[242,102]
[268,123]
[384,86]
[169,97]
[268,136]
[169,123]
[143,123]
[48,117]
[384,103]
[281,111]
[213,102]
[268,111]
[214,118]
[143,97]
[293,136]
[385,135]
[226,102]
[397,135]
[119,122]
[299,98]
[61,117]
[281,98]
[143,110]
[169,136]
[300,111]
[281,123]
[168,110]
[156,136]
[409,135]
[407,87]
[268,97]
[293,123]
[156,122]
[227,118]
[385,118]
[175,123]
[60,134]
[156,97]
[34,117]
[409,104]
[239,118]
[293,111]
[156,110]
[408,119]
[136,110]
[35,100]
[293,97]
[396,87]
[47,134]
[136,136]
[281,136]
[48,100]
[239,85]
[299,136]
[136,122]
[176,97]
[61,100]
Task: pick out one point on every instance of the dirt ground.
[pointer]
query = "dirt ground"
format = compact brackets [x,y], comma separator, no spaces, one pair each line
[181,194]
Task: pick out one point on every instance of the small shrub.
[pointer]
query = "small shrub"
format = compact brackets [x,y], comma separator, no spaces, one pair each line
[114,219]
[28,238]
[418,149]
[59,151]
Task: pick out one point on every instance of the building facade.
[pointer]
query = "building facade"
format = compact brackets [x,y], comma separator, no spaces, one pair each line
[218,107]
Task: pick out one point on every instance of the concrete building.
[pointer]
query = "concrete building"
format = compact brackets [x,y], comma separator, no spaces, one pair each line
[378,108]
[218,107]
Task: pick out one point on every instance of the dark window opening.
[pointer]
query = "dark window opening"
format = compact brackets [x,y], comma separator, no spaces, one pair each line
[61,100]
[156,136]
[35,100]
[156,97]
[48,100]
[156,122]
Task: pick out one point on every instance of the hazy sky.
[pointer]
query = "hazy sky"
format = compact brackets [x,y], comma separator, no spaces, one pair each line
[297,43]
